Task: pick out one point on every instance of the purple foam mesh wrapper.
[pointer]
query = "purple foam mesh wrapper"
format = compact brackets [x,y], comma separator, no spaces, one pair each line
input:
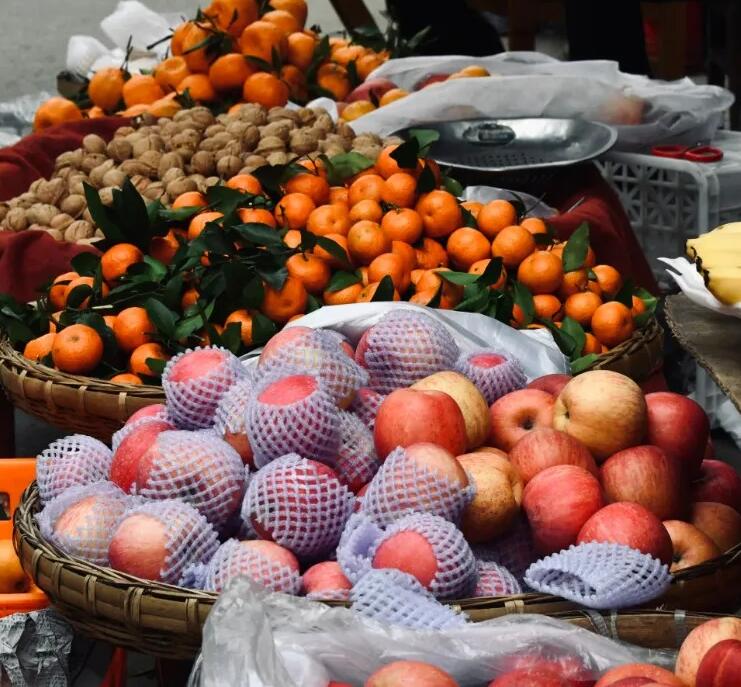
[85,534]
[354,552]
[160,416]
[403,347]
[299,506]
[397,598]
[495,580]
[197,467]
[357,461]
[72,461]
[190,537]
[329,595]
[192,402]
[514,550]
[403,486]
[600,575]
[230,417]
[492,382]
[309,426]
[456,566]
[366,404]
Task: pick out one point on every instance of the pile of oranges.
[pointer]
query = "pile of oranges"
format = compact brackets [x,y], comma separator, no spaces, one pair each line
[235,51]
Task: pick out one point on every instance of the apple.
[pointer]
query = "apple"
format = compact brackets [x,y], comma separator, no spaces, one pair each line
[545,447]
[429,80]
[372,90]
[699,642]
[473,405]
[639,671]
[517,413]
[679,426]
[604,410]
[691,546]
[412,416]
[410,674]
[721,665]
[720,522]
[530,678]
[632,525]
[647,476]
[569,667]
[557,502]
[718,482]
[552,384]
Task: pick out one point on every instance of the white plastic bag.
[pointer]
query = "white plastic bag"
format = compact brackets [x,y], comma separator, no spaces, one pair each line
[133,20]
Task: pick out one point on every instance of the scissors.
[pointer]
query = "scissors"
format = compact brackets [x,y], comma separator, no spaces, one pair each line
[698,153]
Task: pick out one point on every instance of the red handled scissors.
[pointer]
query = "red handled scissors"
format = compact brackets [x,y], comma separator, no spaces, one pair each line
[699,153]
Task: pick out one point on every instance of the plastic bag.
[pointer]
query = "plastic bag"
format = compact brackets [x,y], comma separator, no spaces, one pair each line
[254,638]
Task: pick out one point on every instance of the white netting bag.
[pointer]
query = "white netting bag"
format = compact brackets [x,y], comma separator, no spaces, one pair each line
[291,412]
[404,485]
[80,520]
[189,538]
[495,580]
[493,374]
[158,415]
[325,581]
[72,461]
[231,415]
[356,544]
[600,575]
[196,467]
[455,573]
[403,347]
[299,504]
[357,461]
[366,404]
[396,598]
[195,381]
[515,550]
[132,442]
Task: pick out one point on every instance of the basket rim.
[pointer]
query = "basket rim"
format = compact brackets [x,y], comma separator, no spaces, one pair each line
[640,337]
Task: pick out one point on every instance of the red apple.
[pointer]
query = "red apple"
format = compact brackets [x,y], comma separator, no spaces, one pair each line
[679,426]
[604,410]
[720,522]
[646,475]
[557,502]
[567,666]
[632,525]
[409,416]
[636,682]
[653,674]
[552,384]
[518,412]
[718,482]
[371,90]
[410,674]
[721,666]
[691,546]
[530,678]
[699,642]
[545,447]
[429,80]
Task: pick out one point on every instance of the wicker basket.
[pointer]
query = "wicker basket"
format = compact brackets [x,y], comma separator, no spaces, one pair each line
[166,621]
[72,403]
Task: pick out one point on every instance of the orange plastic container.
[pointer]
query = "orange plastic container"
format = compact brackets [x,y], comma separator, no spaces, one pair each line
[15,475]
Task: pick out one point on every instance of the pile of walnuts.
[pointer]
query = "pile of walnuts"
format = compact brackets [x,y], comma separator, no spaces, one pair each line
[165,157]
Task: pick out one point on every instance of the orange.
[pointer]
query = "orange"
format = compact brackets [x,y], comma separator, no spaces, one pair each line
[314,165]
[198,59]
[367,187]
[109,320]
[591,259]
[403,224]
[334,78]
[386,165]
[540,272]
[300,50]
[293,210]
[512,244]
[431,279]
[230,71]
[199,88]
[366,209]
[189,299]
[57,297]
[400,190]
[165,107]
[466,246]
[77,349]
[245,183]
[199,222]
[127,378]
[573,282]
[178,37]
[364,275]
[416,275]
[116,260]
[206,337]
[95,112]
[244,320]
[164,248]
[190,199]
[297,8]
[53,319]
[106,87]
[391,95]
[141,89]
[591,344]
[638,306]
[138,359]
[336,42]
[534,225]
[260,38]
[347,295]
[80,281]
[312,185]
[292,238]
[612,323]
[295,79]
[329,219]
[593,286]
[365,64]
[547,307]
[609,279]
[406,252]
[392,265]
[234,109]
[339,194]
[479,267]
[55,111]
[518,317]
[348,53]
[280,305]
[356,109]
[40,347]
[495,216]
[133,328]
[440,212]
[473,206]
[366,241]
[311,271]
[285,21]
[232,15]
[366,295]
[424,297]
[257,215]
[581,307]
[341,241]
[265,89]
[431,254]
[170,72]
[135,110]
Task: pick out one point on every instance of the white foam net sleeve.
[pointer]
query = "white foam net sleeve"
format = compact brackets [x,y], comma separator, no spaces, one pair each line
[492,382]
[600,575]
[495,580]
[404,347]
[192,402]
[87,533]
[74,460]
[329,595]
[357,542]
[197,467]
[230,417]
[514,550]
[397,598]
[456,566]
[403,486]
[299,504]
[357,461]
[366,404]
[160,416]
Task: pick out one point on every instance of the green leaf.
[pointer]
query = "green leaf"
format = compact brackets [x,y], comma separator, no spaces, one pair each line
[346,165]
[132,211]
[591,275]
[341,280]
[584,362]
[85,264]
[477,299]
[157,270]
[564,341]
[156,365]
[524,299]
[407,154]
[308,241]
[96,321]
[426,181]
[172,292]
[459,278]
[154,208]
[213,284]
[78,295]
[335,250]
[102,216]
[231,337]
[253,293]
[575,251]
[191,324]
[179,214]
[492,273]
[575,331]
[425,138]
[271,177]
[452,186]
[649,300]
[468,219]
[262,328]
[259,234]
[226,200]
[385,290]
[275,277]
[262,65]
[625,294]
[352,74]
[162,317]
[313,303]
[503,306]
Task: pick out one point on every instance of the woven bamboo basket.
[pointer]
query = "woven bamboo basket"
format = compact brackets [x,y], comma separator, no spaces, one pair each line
[72,403]
[166,621]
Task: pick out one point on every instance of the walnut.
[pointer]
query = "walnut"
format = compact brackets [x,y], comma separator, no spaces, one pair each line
[152,159]
[369,150]
[221,139]
[147,143]
[228,166]
[179,186]
[334,142]
[114,177]
[370,138]
[167,162]
[72,158]
[35,185]
[250,138]
[87,242]
[252,163]
[134,167]
[140,182]
[392,141]
[253,114]
[64,173]
[123,131]
[281,129]
[4,208]
[201,116]
[79,229]
[171,174]
[87,216]
[99,234]
[345,130]
[119,149]
[15,219]
[188,137]
[51,191]
[185,151]
[232,148]
[56,234]
[26,200]
[333,149]
[324,122]
[277,113]
[305,116]
[91,161]
[73,205]
[106,195]
[212,181]
[303,141]
[92,143]
[147,118]
[200,181]
[154,191]
[270,144]
[76,186]
[61,221]
[214,129]
[209,145]
[41,213]
[235,128]
[96,175]
[183,116]
[278,158]
[224,118]
[203,162]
